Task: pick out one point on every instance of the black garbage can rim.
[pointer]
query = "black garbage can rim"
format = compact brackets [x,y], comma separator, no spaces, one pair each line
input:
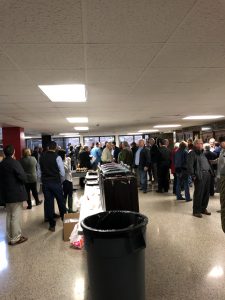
[122,230]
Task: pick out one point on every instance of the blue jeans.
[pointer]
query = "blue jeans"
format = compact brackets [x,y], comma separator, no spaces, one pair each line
[143,179]
[185,183]
[53,190]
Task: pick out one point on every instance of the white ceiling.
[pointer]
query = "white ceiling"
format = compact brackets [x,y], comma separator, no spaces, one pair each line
[144,62]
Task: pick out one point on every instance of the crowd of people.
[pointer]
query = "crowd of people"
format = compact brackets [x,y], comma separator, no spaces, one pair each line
[153,161]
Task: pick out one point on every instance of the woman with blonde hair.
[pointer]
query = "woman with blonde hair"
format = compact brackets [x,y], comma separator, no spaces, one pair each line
[29,164]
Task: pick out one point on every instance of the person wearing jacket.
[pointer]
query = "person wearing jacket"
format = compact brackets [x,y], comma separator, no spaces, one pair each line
[68,182]
[96,154]
[52,173]
[180,163]
[221,179]
[84,158]
[29,164]
[211,156]
[172,166]
[12,179]
[126,155]
[163,166]
[142,164]
[200,171]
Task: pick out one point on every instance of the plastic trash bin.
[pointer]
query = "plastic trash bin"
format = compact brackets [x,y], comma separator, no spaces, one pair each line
[115,244]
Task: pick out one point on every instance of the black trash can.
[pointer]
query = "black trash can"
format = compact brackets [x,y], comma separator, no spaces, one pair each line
[115,244]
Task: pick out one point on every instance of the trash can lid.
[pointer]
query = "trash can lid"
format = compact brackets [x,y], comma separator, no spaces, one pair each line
[114,222]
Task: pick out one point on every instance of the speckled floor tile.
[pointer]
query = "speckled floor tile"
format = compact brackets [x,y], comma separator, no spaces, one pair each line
[185,256]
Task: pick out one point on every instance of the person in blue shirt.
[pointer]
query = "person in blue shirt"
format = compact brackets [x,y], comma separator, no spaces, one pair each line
[96,154]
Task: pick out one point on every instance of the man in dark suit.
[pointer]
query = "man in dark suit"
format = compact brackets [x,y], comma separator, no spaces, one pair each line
[163,166]
[12,179]
[116,151]
[142,164]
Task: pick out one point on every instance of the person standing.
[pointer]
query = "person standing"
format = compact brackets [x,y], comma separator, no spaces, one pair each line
[84,158]
[142,164]
[115,151]
[180,163]
[52,172]
[163,166]
[29,164]
[154,151]
[221,178]
[172,166]
[126,155]
[107,154]
[68,182]
[12,179]
[200,171]
[96,154]
[211,156]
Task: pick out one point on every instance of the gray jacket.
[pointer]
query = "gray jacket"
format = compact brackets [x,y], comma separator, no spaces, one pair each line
[29,165]
[197,163]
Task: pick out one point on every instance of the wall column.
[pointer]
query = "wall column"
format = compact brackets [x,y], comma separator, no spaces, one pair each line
[14,136]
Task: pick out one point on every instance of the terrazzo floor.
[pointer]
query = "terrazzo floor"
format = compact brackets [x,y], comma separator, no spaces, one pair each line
[185,256]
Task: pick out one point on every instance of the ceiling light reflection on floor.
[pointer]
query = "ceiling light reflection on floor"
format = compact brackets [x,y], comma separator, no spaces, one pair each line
[3,257]
[216,272]
[79,289]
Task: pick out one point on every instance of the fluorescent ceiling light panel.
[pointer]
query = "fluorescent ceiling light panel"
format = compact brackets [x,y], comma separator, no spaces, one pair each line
[203,117]
[133,133]
[206,128]
[148,130]
[81,128]
[167,126]
[69,134]
[65,92]
[78,120]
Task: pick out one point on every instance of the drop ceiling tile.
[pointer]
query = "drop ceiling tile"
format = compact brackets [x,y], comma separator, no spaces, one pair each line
[120,56]
[133,21]
[113,75]
[16,90]
[191,55]
[32,21]
[13,77]
[5,63]
[109,89]
[205,23]
[185,75]
[45,56]
[56,76]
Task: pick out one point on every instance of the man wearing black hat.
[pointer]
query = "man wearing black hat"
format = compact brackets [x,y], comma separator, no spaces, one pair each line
[221,177]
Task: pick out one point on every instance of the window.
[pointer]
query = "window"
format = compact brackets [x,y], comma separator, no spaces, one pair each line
[104,139]
[89,140]
[137,138]
[74,141]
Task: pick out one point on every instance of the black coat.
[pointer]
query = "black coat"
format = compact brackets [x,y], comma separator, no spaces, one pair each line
[145,158]
[84,160]
[12,179]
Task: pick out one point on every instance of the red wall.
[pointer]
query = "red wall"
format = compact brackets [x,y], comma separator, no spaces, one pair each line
[14,136]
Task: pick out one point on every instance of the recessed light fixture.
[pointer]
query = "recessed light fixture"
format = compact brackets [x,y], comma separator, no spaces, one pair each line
[81,128]
[133,133]
[148,130]
[65,92]
[69,134]
[203,117]
[78,120]
[206,128]
[167,126]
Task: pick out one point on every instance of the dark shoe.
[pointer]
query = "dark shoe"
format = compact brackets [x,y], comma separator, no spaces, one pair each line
[159,191]
[189,200]
[182,198]
[140,189]
[197,215]
[144,191]
[29,207]
[219,211]
[39,203]
[70,211]
[56,216]
[21,240]
[166,191]
[46,220]
[206,212]
[51,228]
